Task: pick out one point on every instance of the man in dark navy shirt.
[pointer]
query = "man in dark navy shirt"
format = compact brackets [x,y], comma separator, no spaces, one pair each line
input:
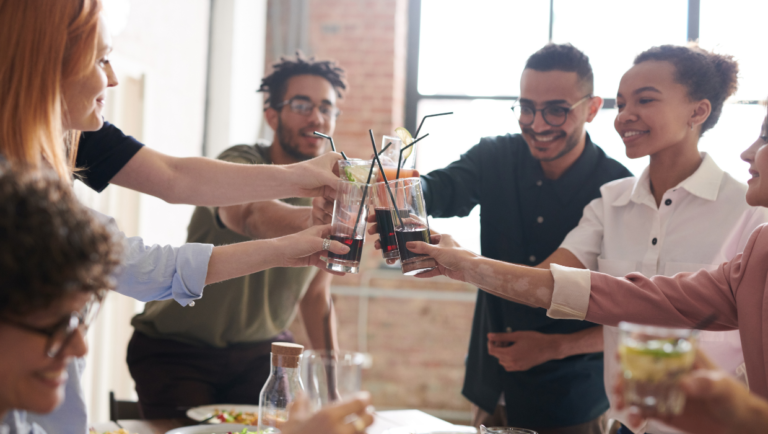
[532,189]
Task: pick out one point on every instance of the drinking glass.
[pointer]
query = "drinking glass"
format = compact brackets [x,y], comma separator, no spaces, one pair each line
[393,151]
[356,170]
[382,206]
[389,160]
[348,225]
[409,215]
[653,359]
[332,375]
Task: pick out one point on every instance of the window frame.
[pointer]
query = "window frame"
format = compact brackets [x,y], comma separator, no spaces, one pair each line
[413,97]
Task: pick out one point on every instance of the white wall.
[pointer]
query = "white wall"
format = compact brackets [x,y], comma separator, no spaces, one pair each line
[161,55]
[237,66]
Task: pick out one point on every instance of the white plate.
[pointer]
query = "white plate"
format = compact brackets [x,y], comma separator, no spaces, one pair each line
[427,429]
[221,428]
[204,412]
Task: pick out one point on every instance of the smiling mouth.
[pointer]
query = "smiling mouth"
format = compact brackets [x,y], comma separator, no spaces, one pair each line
[545,137]
[311,135]
[754,174]
[55,378]
[633,133]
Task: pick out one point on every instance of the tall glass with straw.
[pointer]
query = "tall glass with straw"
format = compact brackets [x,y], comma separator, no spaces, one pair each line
[409,215]
[348,225]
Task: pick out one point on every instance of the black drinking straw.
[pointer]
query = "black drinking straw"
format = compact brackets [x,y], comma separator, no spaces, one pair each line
[429,116]
[362,202]
[384,176]
[400,159]
[333,146]
[385,148]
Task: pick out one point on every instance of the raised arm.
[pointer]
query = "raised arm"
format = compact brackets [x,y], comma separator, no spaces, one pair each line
[207,182]
[679,301]
[525,285]
[302,249]
[268,219]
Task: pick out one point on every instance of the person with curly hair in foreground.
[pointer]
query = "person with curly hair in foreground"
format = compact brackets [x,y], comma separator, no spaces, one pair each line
[56,262]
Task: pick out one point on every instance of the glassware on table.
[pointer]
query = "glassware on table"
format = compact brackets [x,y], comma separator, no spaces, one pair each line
[653,359]
[390,158]
[382,206]
[393,151]
[504,430]
[348,225]
[355,170]
[331,376]
[283,384]
[411,224]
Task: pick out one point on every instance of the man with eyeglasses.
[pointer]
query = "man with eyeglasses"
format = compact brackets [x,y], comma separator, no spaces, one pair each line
[524,369]
[220,350]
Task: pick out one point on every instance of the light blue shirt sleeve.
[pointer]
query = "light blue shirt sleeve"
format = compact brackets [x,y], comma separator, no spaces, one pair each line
[161,272]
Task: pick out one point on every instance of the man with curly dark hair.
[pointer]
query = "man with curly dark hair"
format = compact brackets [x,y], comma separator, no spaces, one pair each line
[219,352]
[56,261]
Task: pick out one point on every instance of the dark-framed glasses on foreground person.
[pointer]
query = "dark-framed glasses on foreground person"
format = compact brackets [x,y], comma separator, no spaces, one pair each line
[61,333]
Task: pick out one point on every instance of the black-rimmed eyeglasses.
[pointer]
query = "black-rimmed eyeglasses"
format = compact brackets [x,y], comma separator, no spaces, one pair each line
[554,115]
[61,333]
[303,107]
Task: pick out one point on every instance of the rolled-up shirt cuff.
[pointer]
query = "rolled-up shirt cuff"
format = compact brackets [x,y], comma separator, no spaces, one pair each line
[191,270]
[570,299]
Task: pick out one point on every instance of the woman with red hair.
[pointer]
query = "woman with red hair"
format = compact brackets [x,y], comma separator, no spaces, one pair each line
[54,71]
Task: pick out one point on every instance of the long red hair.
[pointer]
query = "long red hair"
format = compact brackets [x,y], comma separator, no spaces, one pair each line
[44,44]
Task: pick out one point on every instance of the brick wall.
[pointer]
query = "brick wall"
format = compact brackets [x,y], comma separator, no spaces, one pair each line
[417,331]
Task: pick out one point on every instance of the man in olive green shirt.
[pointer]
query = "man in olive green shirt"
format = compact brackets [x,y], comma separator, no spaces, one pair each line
[218,351]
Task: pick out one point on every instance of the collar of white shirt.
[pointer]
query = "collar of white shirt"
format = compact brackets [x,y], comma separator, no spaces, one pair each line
[704,183]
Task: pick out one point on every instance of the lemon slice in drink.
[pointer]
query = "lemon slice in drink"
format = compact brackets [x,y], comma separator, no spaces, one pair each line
[654,364]
[356,173]
[407,139]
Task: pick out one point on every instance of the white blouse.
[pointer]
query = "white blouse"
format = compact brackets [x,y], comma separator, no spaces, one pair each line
[700,223]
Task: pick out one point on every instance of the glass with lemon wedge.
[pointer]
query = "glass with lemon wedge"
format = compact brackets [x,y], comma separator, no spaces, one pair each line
[652,360]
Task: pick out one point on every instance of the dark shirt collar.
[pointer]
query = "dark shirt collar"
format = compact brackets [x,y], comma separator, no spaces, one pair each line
[569,182]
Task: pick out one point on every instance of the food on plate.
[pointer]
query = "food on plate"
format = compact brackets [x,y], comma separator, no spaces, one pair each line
[246,431]
[232,416]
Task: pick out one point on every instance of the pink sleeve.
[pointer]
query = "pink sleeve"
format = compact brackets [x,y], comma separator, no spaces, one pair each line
[682,300]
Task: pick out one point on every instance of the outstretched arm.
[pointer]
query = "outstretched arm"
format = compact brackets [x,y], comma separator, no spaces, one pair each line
[273,218]
[208,182]
[679,301]
[302,249]
[525,285]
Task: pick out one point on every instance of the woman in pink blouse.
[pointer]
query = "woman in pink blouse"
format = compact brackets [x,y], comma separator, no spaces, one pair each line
[735,292]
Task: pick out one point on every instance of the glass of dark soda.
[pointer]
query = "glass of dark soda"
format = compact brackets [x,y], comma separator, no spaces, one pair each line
[382,206]
[348,225]
[409,216]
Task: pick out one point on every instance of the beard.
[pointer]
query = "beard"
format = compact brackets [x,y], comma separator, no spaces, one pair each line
[571,141]
[285,137]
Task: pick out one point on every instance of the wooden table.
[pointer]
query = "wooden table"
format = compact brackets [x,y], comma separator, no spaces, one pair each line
[383,421]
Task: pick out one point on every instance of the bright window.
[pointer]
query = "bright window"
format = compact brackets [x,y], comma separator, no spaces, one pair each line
[471,55]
